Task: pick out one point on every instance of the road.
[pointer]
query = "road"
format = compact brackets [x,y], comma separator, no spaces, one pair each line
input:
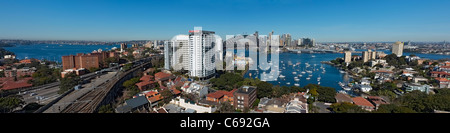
[73,96]
[46,95]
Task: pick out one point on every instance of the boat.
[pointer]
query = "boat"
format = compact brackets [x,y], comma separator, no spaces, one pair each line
[309,71]
[296,79]
[303,72]
[300,75]
[318,78]
[310,75]
[288,83]
[294,72]
[341,71]
[308,78]
[313,56]
[282,76]
[318,83]
[296,84]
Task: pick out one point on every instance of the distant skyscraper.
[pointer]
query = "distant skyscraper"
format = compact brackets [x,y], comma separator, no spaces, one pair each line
[348,56]
[307,42]
[123,46]
[397,48]
[368,55]
[155,44]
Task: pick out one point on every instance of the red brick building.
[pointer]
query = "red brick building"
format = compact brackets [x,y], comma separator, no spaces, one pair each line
[244,97]
[90,60]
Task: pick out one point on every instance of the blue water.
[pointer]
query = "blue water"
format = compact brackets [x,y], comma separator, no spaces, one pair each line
[423,56]
[54,52]
[330,78]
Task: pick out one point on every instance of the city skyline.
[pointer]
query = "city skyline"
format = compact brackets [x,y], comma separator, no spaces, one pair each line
[325,21]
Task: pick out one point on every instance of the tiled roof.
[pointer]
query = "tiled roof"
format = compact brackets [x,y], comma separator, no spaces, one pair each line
[146,78]
[360,101]
[9,84]
[162,75]
[144,83]
[217,95]
[153,96]
[442,79]
[440,72]
[382,71]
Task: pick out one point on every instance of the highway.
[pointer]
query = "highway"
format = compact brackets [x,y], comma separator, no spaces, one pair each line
[41,96]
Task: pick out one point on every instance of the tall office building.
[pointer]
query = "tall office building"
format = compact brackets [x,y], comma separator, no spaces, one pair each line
[155,44]
[195,52]
[348,56]
[397,48]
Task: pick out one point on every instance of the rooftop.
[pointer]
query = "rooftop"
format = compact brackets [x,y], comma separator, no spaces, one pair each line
[136,102]
[360,101]
[246,89]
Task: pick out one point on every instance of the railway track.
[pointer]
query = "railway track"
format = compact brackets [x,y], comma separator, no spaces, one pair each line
[89,102]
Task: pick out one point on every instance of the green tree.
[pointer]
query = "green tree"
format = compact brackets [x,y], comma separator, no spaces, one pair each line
[167,96]
[392,108]
[226,107]
[106,109]
[7,104]
[346,107]
[68,82]
[264,89]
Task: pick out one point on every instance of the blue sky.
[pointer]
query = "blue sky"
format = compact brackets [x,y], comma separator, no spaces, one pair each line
[324,20]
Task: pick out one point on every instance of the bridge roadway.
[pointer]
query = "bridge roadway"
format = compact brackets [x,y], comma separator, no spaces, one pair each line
[93,98]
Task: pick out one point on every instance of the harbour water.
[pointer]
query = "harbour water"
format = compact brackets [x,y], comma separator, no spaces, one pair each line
[309,66]
[54,52]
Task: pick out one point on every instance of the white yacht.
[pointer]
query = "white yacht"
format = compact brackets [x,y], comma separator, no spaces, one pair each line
[303,72]
[282,76]
[288,83]
[296,84]
[308,78]
[297,79]
[294,72]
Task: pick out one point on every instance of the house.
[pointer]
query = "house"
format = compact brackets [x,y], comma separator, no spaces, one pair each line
[383,75]
[161,76]
[8,83]
[9,56]
[221,96]
[363,88]
[244,97]
[197,89]
[365,81]
[363,103]
[146,83]
[153,97]
[444,69]
[419,79]
[192,107]
[296,106]
[135,104]
[378,61]
[343,98]
[415,86]
[440,74]
[377,101]
[273,105]
[443,82]
[79,72]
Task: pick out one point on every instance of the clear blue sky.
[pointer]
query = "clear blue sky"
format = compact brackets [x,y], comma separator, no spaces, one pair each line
[324,20]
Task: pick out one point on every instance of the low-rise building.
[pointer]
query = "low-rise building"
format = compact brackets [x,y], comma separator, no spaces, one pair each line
[197,89]
[414,86]
[363,88]
[443,82]
[135,104]
[273,105]
[296,106]
[190,105]
[244,97]
[363,103]
[340,97]
[8,83]
[221,96]
[377,101]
